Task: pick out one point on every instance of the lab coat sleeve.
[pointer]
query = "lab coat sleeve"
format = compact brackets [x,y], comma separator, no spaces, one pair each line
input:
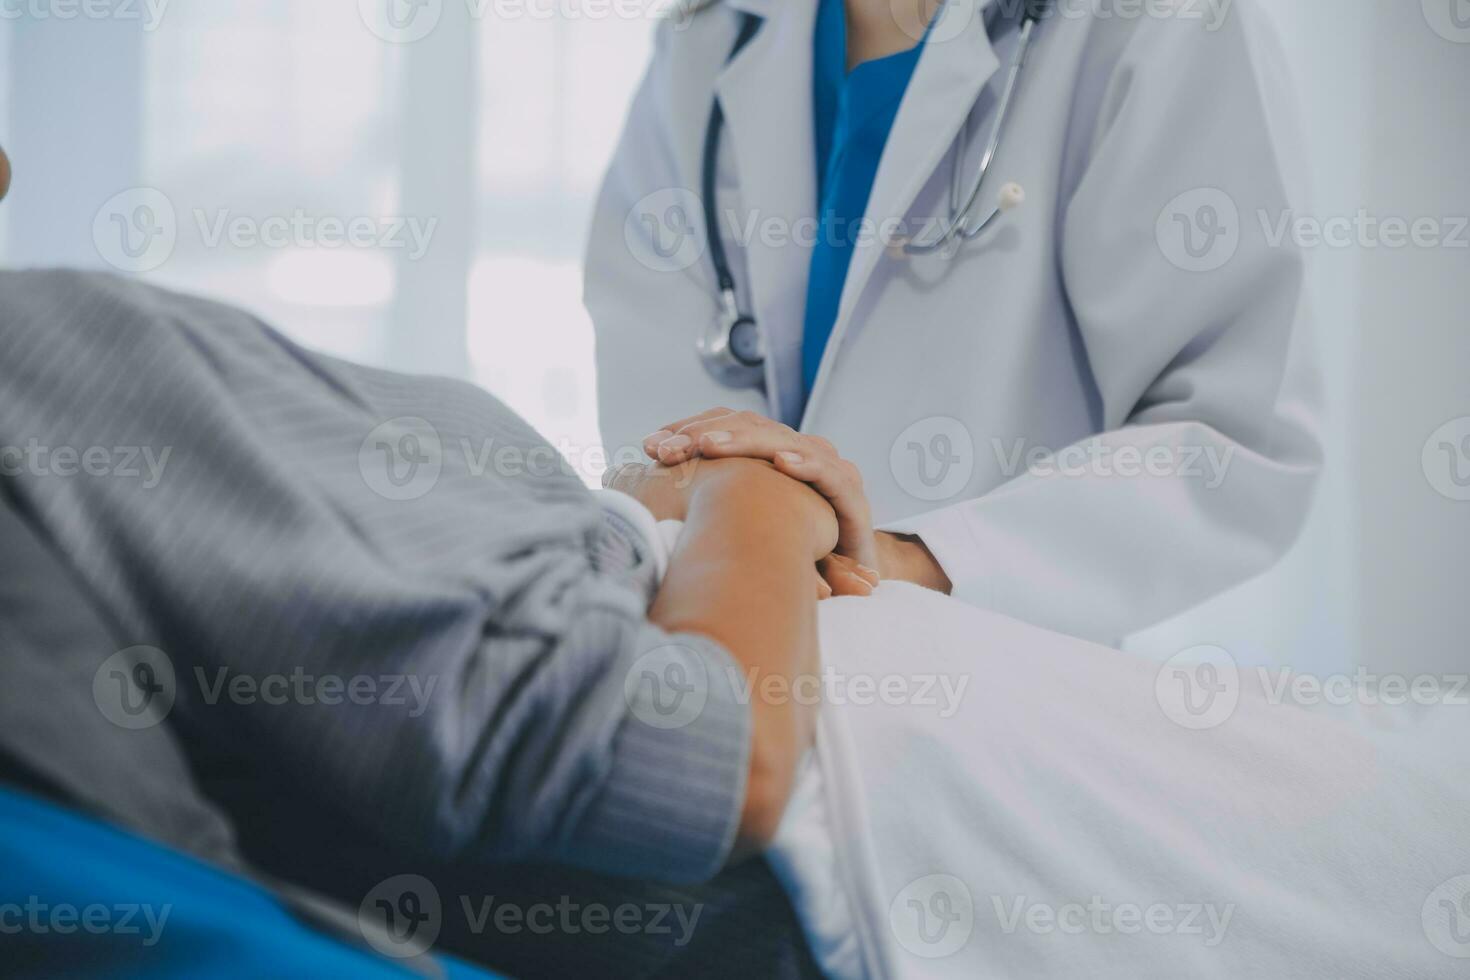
[1195,365]
[649,286]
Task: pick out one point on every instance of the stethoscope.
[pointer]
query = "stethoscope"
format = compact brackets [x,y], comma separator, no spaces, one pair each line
[732,347]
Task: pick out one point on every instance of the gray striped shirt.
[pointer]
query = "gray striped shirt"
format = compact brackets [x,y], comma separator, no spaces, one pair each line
[258,511]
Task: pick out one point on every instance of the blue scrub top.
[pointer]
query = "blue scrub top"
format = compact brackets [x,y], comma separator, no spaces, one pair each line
[853,114]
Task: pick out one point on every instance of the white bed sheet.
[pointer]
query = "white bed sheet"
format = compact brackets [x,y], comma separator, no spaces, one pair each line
[1061,822]
[988,799]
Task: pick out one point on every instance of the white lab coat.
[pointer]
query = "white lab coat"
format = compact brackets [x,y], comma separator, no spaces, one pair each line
[1079,326]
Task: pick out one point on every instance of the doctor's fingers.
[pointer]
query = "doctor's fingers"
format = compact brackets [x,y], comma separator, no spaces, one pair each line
[735,434]
[842,484]
[846,576]
[824,589]
[653,439]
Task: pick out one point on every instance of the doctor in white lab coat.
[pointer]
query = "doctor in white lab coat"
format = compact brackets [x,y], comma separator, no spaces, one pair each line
[1084,418]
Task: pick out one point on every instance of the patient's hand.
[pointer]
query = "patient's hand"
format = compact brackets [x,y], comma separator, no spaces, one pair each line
[668,491]
[723,434]
[664,490]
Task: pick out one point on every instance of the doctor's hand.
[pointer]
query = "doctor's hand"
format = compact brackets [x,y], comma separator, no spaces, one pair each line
[722,434]
[669,492]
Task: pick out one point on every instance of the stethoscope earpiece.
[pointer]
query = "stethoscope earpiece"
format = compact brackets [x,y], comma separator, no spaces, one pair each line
[947,246]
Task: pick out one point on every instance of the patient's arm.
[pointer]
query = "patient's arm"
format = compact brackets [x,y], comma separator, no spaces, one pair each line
[742,575]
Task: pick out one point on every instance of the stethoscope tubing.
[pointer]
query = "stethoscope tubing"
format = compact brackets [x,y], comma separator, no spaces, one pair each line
[720,354]
[959,228]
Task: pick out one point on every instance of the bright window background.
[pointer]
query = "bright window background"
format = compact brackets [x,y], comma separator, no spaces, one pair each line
[553,94]
[275,109]
[261,111]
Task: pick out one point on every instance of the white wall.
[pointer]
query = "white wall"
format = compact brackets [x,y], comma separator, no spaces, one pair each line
[1381,576]
[1301,612]
[1415,348]
[73,132]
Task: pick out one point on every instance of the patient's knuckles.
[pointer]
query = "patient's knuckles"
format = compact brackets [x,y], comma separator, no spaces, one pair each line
[622,477]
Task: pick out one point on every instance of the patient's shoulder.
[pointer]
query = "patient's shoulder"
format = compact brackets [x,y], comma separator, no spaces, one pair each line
[65,303]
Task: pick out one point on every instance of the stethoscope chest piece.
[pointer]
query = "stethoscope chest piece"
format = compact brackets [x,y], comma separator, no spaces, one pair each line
[732,348]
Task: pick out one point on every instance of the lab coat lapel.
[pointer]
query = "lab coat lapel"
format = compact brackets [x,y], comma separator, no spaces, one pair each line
[956,64]
[766,92]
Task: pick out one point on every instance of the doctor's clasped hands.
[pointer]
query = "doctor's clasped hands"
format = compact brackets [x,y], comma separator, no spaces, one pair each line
[722,433]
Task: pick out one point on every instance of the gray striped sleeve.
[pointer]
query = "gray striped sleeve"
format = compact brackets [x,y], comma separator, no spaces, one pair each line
[556,724]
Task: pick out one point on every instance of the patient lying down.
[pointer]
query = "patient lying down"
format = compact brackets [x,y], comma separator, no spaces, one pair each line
[975,797]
